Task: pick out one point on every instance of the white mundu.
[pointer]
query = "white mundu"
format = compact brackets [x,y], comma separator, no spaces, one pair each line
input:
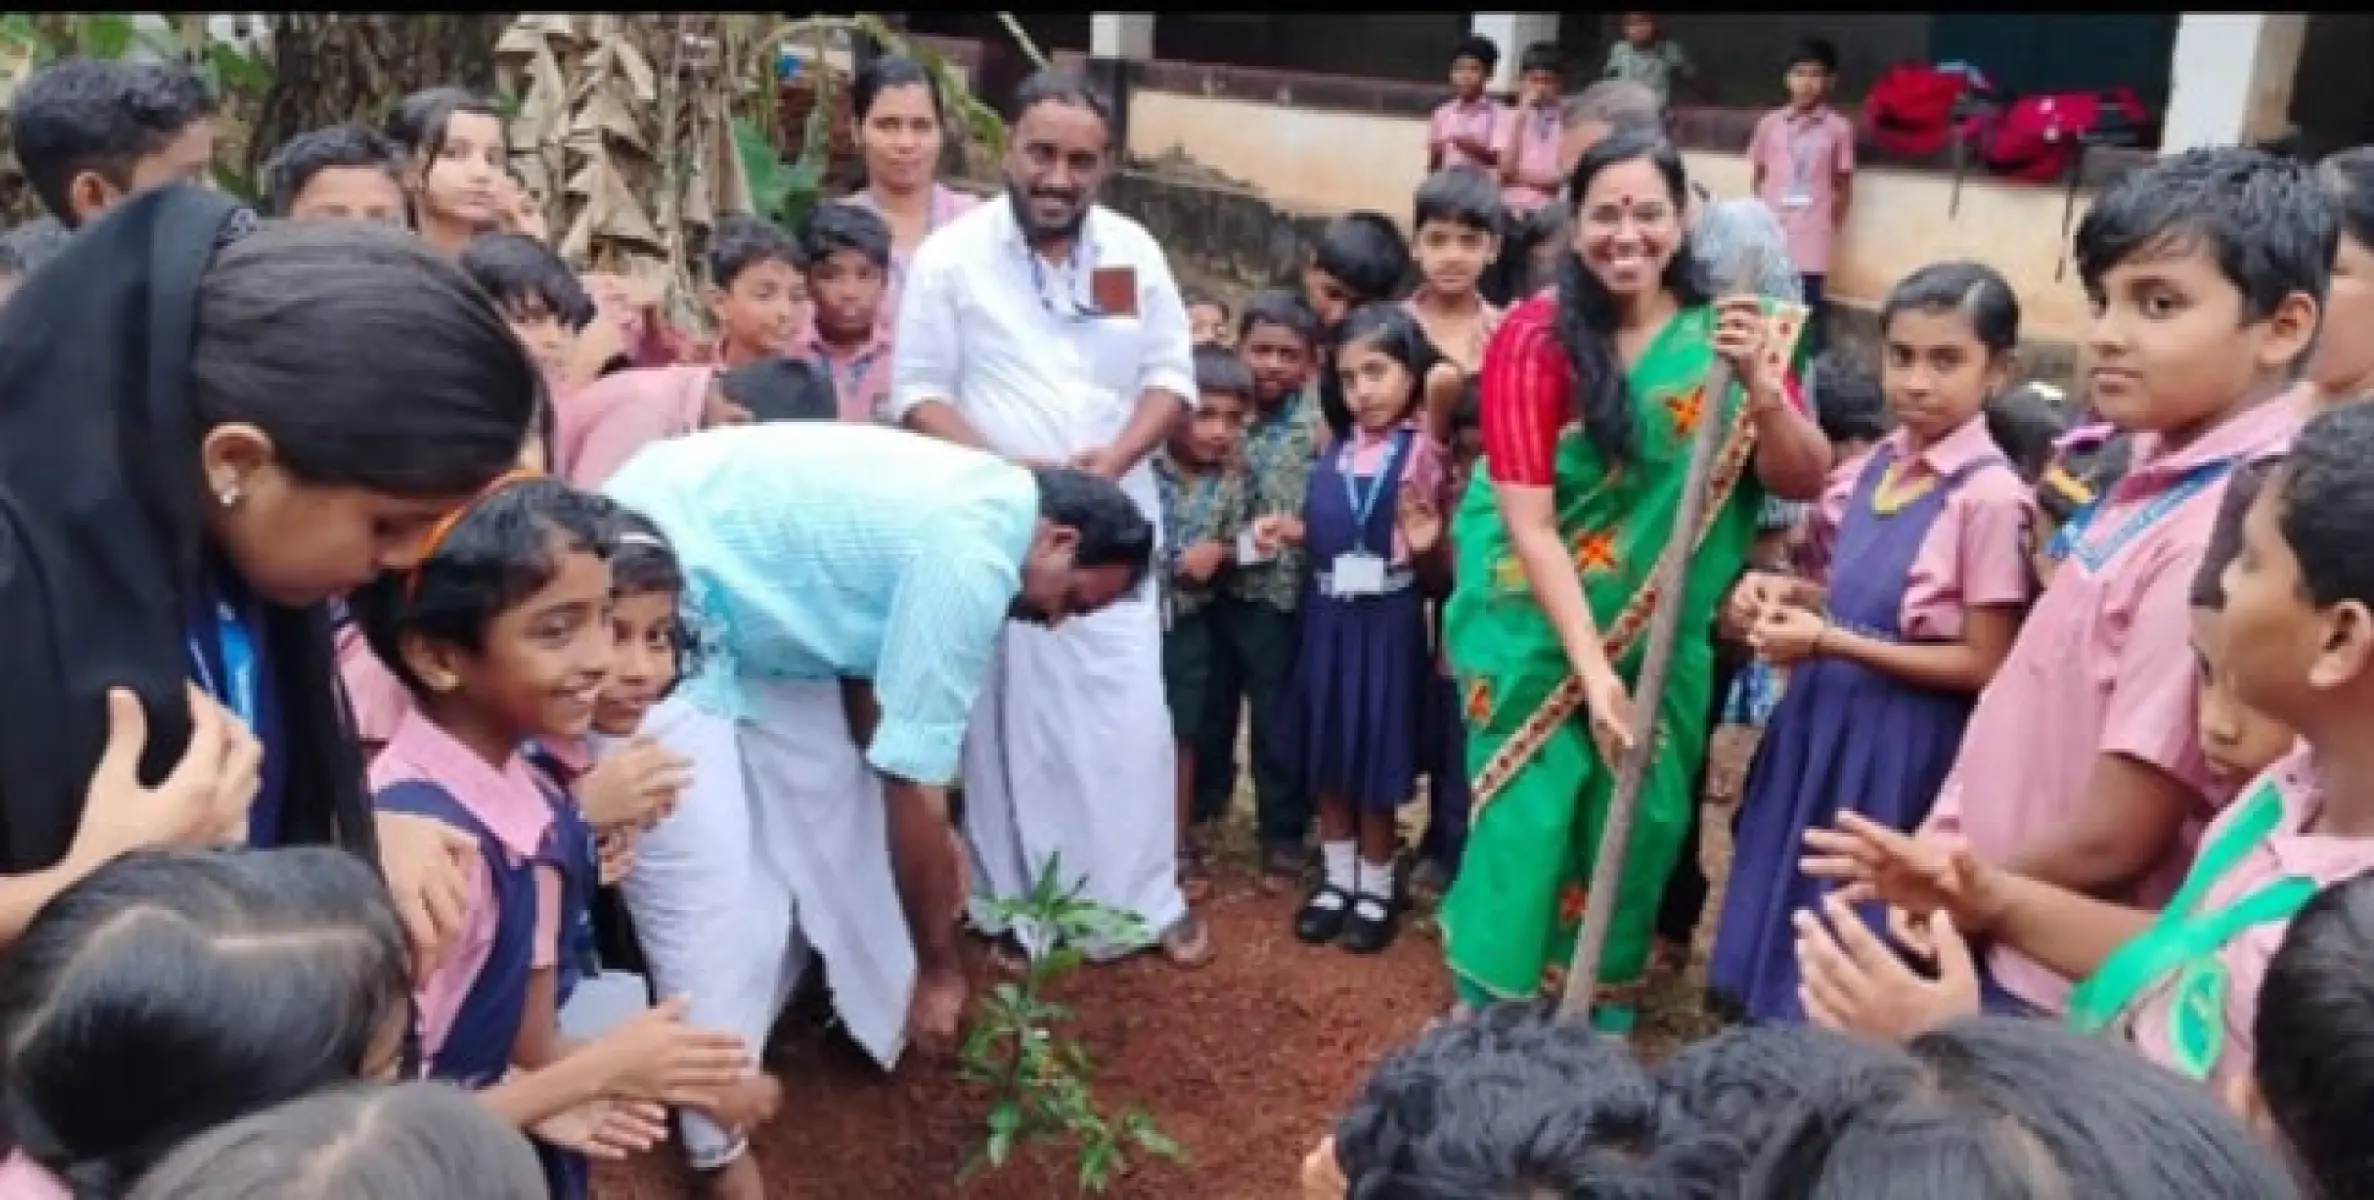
[1070,751]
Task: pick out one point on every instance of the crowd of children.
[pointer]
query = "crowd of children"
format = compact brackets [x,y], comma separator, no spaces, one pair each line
[2066,728]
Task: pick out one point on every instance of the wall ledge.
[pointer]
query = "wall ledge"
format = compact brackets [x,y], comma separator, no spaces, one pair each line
[1698,129]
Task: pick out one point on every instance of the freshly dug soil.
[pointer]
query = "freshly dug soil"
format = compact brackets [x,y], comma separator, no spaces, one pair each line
[1245,1062]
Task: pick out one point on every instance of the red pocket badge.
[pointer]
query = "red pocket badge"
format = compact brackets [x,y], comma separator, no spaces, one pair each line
[1114,291]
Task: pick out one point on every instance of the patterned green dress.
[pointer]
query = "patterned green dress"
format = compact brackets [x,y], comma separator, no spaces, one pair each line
[1541,789]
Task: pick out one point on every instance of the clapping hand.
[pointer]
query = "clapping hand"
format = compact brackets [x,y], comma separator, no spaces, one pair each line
[1850,981]
[1869,861]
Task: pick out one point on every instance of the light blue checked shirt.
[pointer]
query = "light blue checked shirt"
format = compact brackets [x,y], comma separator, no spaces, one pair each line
[822,550]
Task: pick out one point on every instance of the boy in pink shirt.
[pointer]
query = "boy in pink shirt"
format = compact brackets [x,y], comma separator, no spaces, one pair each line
[1532,141]
[1802,163]
[845,253]
[1465,129]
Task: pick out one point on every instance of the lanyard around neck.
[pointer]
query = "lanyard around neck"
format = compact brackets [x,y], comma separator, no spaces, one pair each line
[1364,502]
[234,657]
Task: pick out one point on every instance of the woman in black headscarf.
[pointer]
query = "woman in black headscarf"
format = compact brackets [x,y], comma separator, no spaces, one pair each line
[207,431]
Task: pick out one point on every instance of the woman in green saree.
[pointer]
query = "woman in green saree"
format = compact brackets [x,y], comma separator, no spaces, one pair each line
[1591,393]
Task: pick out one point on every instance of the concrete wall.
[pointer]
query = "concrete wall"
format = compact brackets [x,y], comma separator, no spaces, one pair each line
[1306,162]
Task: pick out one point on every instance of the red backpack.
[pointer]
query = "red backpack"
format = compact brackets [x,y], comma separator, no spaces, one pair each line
[1911,109]
[2036,138]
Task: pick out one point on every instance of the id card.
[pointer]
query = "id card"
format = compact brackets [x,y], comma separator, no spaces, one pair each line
[1358,574]
[1248,550]
[1797,200]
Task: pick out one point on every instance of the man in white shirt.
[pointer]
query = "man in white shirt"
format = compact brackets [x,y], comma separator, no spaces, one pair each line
[1048,329]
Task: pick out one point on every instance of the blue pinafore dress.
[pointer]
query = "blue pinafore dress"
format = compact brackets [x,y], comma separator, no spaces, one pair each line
[1353,706]
[1843,736]
[477,1050]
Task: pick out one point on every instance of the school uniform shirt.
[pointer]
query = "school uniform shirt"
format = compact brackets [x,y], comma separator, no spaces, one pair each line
[2291,849]
[1812,556]
[1534,145]
[377,698]
[1653,67]
[861,376]
[821,551]
[511,803]
[2103,665]
[1422,477]
[1280,448]
[1198,506]
[1481,119]
[1801,155]
[601,425]
[1975,554]
[23,1179]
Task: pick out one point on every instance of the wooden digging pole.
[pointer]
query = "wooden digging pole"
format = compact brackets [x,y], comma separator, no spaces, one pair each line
[1671,578]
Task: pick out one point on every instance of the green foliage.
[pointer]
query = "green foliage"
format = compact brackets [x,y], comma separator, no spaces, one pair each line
[1039,1082]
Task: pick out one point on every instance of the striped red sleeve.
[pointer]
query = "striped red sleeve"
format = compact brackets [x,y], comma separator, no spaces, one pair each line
[1524,401]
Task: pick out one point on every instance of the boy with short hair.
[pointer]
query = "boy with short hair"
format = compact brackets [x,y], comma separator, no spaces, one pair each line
[1516,1103]
[1205,504]
[342,171]
[1207,318]
[1801,161]
[1531,156]
[1360,259]
[1647,57]
[1465,129]
[2207,271]
[846,249]
[1455,236]
[1277,339]
[89,132]
[538,293]
[756,292]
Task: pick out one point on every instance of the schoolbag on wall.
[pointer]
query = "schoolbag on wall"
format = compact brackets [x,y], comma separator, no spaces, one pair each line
[2037,138]
[1911,108]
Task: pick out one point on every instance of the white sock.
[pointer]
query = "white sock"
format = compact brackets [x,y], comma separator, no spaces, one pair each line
[1341,861]
[1376,881]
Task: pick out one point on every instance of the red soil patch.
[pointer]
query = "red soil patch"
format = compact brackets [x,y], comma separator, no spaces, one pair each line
[1246,1062]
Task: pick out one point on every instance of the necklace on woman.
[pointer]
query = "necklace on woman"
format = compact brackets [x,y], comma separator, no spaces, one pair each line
[1893,493]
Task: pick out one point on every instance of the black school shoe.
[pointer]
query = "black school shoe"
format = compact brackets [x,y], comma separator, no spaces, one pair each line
[1320,920]
[1370,926]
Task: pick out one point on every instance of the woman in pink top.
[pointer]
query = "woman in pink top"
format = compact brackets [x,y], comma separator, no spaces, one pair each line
[901,128]
[1926,595]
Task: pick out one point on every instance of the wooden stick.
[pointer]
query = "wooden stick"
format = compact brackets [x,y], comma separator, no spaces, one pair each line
[1672,578]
